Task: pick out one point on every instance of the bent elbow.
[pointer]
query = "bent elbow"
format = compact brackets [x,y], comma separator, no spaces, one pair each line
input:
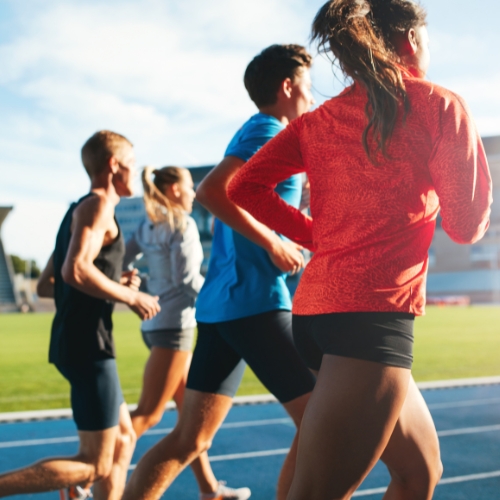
[234,193]
[204,194]
[200,193]
[468,236]
[72,274]
[41,289]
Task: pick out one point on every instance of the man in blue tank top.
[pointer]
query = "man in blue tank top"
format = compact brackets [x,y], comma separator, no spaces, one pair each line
[244,307]
[84,276]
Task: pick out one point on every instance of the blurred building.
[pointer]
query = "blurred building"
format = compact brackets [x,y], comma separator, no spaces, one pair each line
[9,298]
[470,270]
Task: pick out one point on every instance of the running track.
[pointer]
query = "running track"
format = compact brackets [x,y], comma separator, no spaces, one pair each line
[250,447]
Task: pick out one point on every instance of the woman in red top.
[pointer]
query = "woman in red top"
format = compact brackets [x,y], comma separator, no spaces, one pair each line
[382,158]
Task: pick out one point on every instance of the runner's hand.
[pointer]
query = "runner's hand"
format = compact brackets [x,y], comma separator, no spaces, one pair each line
[287,257]
[131,279]
[145,306]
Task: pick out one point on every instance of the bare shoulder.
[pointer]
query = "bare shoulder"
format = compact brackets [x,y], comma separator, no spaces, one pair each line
[95,211]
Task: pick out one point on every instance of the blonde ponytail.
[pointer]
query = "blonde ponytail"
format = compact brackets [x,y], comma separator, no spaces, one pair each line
[158,207]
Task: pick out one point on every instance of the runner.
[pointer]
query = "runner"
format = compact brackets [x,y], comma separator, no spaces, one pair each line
[243,310]
[169,240]
[382,158]
[84,276]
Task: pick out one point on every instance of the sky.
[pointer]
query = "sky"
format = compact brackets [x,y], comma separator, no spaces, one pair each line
[168,75]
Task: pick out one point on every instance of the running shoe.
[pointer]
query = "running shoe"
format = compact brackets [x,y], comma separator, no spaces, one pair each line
[225,493]
[75,493]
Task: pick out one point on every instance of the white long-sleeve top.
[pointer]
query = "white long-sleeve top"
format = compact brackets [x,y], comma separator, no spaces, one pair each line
[174,261]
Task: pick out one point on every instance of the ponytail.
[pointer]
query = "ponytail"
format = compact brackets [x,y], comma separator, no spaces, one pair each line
[360,34]
[158,207]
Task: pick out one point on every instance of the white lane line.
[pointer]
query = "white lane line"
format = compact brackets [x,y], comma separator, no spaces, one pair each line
[240,456]
[165,430]
[446,480]
[469,430]
[243,400]
[461,404]
[234,425]
[368,492]
[36,442]
[251,454]
[251,423]
[470,477]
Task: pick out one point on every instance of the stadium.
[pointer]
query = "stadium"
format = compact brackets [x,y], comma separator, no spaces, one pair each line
[470,272]
[171,367]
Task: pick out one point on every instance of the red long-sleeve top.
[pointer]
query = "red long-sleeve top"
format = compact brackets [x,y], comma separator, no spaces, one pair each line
[372,224]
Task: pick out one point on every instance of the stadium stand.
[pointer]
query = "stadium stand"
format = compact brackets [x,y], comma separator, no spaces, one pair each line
[9,298]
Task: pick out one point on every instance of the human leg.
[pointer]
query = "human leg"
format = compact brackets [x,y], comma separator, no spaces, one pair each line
[163,374]
[214,376]
[202,470]
[412,455]
[265,342]
[347,424]
[97,403]
[92,462]
[295,409]
[165,377]
[201,416]
[111,486]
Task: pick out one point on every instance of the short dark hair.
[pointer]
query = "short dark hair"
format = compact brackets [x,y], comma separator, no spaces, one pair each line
[266,71]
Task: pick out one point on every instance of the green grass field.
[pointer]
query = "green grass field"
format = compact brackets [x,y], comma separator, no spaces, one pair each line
[449,343]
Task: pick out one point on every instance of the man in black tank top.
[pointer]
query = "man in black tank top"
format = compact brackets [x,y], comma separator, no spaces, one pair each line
[84,276]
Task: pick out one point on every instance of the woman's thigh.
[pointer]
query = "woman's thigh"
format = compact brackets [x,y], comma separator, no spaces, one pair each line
[412,454]
[165,370]
[347,424]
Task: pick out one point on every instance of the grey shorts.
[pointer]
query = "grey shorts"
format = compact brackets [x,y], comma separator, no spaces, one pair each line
[175,339]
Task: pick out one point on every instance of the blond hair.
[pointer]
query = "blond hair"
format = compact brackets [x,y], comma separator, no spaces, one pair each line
[158,207]
[99,148]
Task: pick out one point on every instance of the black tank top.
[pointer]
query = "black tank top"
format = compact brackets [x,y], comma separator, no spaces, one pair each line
[82,327]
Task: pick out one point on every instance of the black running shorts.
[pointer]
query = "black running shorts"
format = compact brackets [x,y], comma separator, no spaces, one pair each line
[383,337]
[96,395]
[264,341]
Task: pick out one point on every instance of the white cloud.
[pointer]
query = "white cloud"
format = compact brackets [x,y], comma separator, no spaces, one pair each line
[169,76]
[166,74]
[35,237]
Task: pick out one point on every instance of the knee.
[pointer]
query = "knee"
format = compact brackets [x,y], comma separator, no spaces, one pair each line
[438,471]
[196,445]
[127,439]
[192,445]
[152,419]
[101,470]
[145,421]
[430,472]
[420,480]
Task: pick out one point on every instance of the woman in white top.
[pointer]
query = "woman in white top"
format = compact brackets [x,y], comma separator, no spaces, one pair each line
[169,239]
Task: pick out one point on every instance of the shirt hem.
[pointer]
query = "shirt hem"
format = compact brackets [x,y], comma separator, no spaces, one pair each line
[221,319]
